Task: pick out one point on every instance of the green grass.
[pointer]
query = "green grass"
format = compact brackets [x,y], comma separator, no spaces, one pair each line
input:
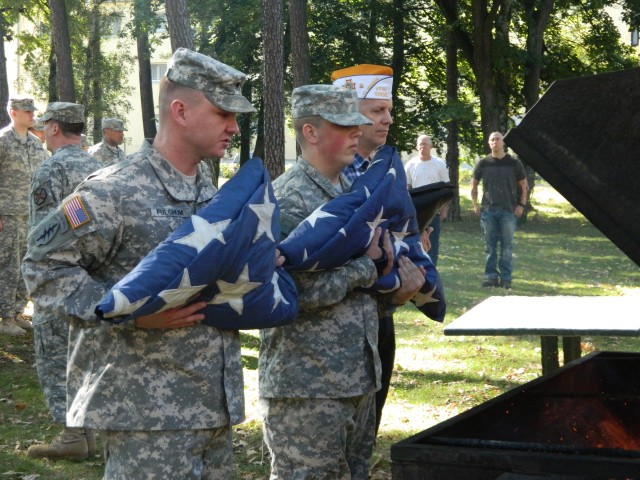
[557,252]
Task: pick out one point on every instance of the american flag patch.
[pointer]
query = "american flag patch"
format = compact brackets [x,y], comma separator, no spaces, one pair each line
[75,212]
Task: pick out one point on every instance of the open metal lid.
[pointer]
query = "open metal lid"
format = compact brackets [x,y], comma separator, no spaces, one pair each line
[583,137]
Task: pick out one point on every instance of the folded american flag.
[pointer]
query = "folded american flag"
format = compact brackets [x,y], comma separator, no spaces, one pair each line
[224,255]
[342,228]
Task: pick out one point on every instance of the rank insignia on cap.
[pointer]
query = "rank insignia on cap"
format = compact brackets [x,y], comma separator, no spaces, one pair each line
[75,212]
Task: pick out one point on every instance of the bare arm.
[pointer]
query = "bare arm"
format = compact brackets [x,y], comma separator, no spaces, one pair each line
[474,195]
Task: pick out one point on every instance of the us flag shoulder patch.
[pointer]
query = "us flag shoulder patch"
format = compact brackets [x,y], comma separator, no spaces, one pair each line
[75,212]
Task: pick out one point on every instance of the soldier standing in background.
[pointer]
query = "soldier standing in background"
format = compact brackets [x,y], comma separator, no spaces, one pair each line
[108,151]
[20,154]
[56,178]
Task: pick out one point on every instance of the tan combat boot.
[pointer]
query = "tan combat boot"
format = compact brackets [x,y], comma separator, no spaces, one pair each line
[91,442]
[71,444]
[8,327]
[22,322]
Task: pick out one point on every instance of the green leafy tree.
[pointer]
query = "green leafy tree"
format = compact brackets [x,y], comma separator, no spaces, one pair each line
[99,76]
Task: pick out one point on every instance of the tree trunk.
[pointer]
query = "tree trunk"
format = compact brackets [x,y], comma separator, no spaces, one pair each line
[244,123]
[142,12]
[453,152]
[178,22]
[397,62]
[92,96]
[53,85]
[273,97]
[4,84]
[300,61]
[258,148]
[62,49]
[537,21]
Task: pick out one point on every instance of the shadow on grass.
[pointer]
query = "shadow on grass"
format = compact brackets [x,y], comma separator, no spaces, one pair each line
[416,379]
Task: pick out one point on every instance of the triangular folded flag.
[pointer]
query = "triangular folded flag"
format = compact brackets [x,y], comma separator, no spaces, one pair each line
[342,228]
[224,255]
[429,200]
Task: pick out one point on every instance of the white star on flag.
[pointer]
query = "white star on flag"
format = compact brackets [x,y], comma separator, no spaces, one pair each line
[421,298]
[277,293]
[203,233]
[232,293]
[373,225]
[399,238]
[122,305]
[264,212]
[179,296]
[317,214]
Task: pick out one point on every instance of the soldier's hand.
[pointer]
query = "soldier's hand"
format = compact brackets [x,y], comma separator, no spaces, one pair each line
[279,258]
[411,281]
[174,317]
[381,256]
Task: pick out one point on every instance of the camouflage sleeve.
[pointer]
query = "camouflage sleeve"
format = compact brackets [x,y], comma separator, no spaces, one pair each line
[77,238]
[328,287]
[45,193]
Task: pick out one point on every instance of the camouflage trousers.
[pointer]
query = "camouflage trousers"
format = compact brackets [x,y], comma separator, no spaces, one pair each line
[51,341]
[13,247]
[168,454]
[319,438]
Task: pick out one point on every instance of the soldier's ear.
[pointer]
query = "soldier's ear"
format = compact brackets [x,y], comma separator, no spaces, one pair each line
[310,133]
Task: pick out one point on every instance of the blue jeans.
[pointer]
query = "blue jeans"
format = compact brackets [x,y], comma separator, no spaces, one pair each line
[498,226]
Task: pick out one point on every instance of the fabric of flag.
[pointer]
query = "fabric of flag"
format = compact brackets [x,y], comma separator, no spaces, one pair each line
[342,228]
[223,255]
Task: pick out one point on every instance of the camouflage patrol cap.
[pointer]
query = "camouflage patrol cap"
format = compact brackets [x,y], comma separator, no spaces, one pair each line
[63,112]
[220,83]
[25,104]
[113,124]
[335,104]
[38,126]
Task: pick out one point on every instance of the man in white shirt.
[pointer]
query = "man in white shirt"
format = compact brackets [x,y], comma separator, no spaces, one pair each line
[426,169]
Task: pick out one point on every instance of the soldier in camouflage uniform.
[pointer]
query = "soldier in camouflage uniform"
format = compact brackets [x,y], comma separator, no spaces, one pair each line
[318,375]
[56,178]
[20,154]
[108,151]
[165,388]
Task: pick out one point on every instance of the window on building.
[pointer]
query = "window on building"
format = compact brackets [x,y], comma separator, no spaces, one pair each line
[157,71]
[162,24]
[115,25]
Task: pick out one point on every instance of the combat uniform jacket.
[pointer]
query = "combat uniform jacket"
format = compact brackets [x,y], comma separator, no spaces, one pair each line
[330,351]
[107,154]
[121,377]
[56,178]
[19,159]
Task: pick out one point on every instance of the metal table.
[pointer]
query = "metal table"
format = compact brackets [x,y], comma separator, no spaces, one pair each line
[552,317]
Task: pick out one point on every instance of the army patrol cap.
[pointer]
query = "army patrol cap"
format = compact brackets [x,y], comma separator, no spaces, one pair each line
[113,124]
[335,104]
[63,112]
[39,126]
[220,83]
[25,104]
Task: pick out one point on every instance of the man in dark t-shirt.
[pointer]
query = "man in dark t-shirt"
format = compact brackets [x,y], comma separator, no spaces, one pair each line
[504,197]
